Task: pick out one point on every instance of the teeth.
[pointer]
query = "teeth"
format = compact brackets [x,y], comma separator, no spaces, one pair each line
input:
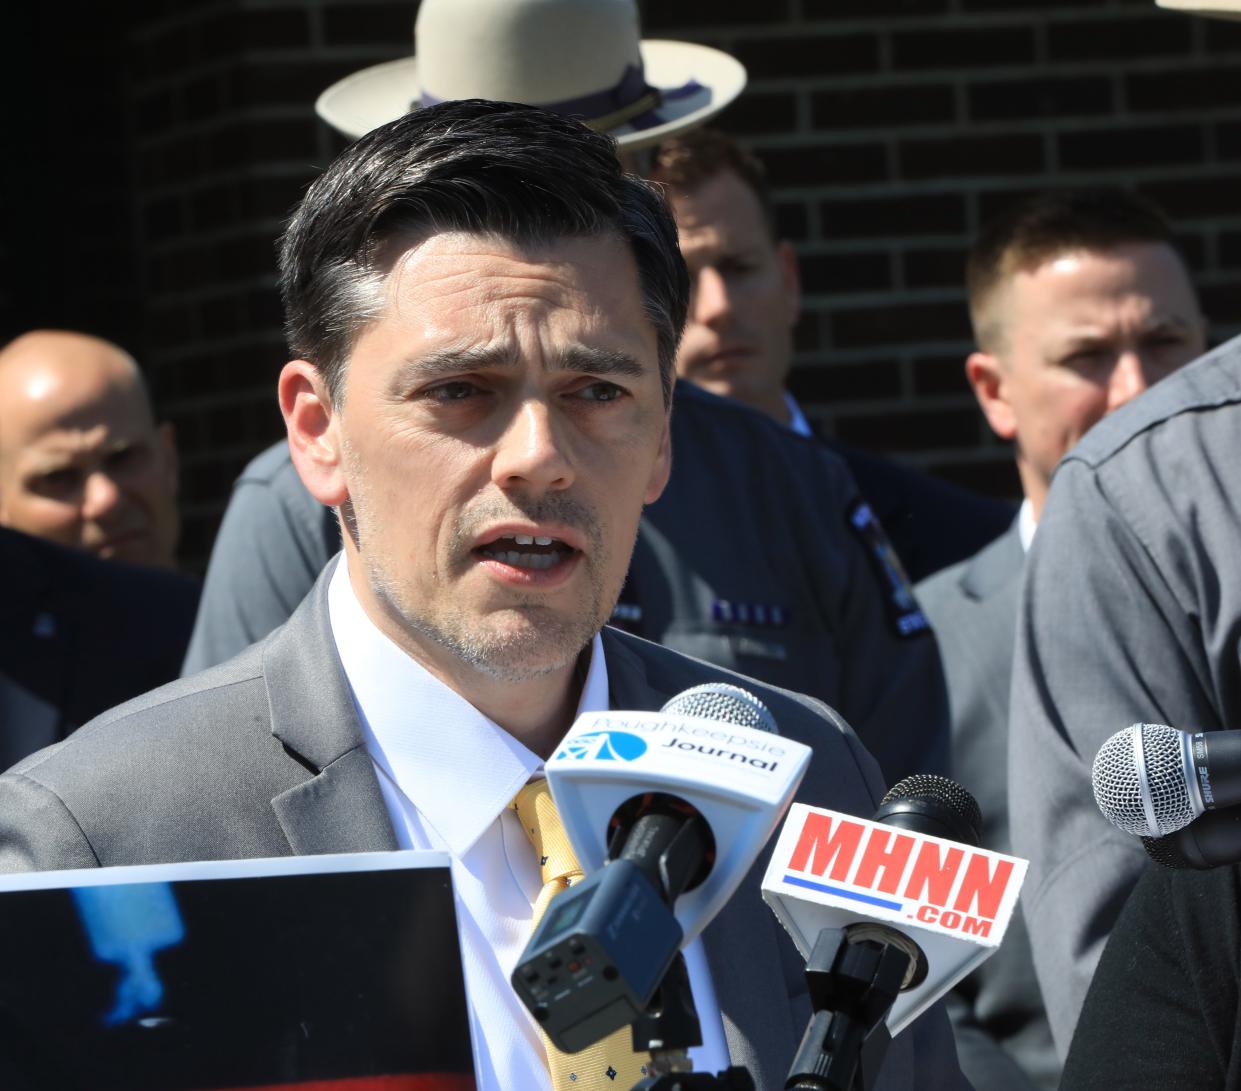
[543,541]
[525,539]
[523,560]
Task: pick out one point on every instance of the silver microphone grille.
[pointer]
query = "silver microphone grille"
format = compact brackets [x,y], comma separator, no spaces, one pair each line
[1139,781]
[720,701]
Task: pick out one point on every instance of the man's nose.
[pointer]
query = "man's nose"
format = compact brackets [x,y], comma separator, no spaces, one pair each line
[100,495]
[531,453]
[712,304]
[1127,381]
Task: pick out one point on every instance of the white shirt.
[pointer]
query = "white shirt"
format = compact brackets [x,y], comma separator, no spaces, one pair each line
[448,774]
[1026,524]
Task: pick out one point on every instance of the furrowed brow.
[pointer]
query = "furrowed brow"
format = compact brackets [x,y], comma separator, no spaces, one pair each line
[450,361]
[595,361]
[454,361]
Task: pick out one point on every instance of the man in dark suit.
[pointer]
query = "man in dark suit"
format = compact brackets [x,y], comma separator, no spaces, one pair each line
[1079,301]
[746,299]
[79,635]
[485,312]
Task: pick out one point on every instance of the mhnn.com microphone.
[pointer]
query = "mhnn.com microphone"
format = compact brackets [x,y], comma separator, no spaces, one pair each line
[666,811]
[890,914]
[1151,780]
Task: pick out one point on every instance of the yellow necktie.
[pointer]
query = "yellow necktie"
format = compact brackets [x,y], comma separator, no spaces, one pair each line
[611,1063]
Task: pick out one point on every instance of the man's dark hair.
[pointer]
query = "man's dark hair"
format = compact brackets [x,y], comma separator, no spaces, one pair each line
[490,168]
[1039,228]
[684,163]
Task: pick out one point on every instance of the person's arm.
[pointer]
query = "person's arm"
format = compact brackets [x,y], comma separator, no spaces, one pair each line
[1103,641]
[1162,1009]
[272,544]
[891,683]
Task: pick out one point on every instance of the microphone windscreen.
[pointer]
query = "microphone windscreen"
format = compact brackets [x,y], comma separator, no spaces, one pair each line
[934,805]
[723,702]
[1139,781]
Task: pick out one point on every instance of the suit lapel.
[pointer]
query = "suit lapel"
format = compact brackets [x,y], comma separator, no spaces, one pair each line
[340,808]
[742,943]
[996,566]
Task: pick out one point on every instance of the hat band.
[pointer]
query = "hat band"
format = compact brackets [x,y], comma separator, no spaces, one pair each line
[631,100]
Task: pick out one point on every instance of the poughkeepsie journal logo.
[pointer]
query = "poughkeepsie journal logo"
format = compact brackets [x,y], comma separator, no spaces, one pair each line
[603,746]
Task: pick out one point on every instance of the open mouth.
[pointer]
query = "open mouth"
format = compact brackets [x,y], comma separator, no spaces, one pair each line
[533,552]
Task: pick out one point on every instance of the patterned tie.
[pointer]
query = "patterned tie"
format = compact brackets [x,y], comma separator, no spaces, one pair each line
[611,1063]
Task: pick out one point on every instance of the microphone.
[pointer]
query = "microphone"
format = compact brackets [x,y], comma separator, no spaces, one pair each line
[912,879]
[666,811]
[1213,840]
[1152,780]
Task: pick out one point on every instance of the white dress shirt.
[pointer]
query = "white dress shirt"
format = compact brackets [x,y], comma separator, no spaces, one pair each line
[448,774]
[1026,524]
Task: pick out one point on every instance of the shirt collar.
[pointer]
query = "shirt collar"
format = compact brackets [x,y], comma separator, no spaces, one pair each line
[456,766]
[1026,524]
[797,419]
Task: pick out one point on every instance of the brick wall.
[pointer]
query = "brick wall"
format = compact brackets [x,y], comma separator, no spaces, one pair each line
[891,127]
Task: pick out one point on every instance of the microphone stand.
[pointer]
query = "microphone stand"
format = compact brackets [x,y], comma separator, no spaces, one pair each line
[669,1026]
[667,1030]
[852,988]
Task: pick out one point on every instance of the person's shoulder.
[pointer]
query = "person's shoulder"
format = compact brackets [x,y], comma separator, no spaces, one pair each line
[1210,383]
[697,407]
[671,672]
[917,487]
[196,716]
[106,593]
[731,441]
[943,587]
[269,467]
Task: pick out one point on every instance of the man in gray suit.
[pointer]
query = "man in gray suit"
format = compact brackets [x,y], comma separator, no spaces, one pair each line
[486,313]
[1079,301]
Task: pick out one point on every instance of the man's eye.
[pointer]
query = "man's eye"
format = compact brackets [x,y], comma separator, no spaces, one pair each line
[1085,359]
[601,392]
[125,457]
[56,482]
[452,392]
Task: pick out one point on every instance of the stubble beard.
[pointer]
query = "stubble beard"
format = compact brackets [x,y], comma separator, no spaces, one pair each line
[523,640]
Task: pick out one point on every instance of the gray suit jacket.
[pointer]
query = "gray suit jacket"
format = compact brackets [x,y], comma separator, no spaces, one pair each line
[997,1012]
[264,756]
[1130,612]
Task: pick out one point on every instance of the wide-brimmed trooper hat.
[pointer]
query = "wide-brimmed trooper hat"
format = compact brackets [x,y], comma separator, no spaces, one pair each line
[1223,9]
[581,58]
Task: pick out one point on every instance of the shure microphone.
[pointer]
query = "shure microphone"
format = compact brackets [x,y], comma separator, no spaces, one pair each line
[1210,841]
[911,879]
[666,811]
[1152,780]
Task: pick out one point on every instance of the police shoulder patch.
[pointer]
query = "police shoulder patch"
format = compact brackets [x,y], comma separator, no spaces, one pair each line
[904,613]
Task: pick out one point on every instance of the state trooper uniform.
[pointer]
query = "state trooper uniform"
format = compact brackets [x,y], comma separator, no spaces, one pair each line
[1131,611]
[759,557]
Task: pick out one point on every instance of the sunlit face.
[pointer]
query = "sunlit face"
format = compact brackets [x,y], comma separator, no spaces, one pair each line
[745,295]
[501,427]
[82,463]
[1079,336]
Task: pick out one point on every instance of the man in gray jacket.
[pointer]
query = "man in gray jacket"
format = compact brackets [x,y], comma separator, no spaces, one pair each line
[1079,301]
[485,313]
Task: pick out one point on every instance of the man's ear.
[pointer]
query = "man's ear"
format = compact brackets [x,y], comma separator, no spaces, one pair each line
[662,469]
[987,376]
[790,277]
[312,424]
[167,439]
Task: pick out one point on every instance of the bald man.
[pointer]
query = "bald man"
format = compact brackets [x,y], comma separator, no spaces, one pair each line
[82,461]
